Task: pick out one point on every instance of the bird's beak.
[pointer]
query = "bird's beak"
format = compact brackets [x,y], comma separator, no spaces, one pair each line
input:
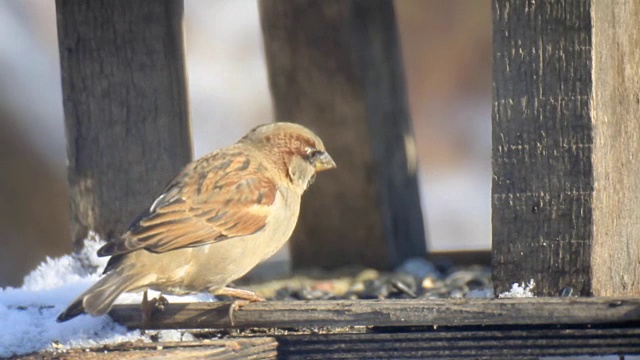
[324,162]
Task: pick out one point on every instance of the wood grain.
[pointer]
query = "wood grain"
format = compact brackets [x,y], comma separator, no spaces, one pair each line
[125,105]
[219,349]
[335,66]
[336,313]
[566,123]
[542,145]
[616,161]
[463,343]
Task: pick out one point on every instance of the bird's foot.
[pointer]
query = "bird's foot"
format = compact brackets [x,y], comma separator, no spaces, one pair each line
[235,306]
[240,294]
[151,307]
[243,298]
[159,304]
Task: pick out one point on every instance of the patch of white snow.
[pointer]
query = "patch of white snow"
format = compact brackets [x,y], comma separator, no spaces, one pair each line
[519,290]
[28,314]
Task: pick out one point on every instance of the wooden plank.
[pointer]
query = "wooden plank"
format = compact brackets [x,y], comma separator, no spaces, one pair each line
[542,145]
[615,257]
[566,195]
[125,104]
[463,343]
[335,66]
[220,349]
[420,312]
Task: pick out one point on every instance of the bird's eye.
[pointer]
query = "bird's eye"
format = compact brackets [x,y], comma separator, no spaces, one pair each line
[312,154]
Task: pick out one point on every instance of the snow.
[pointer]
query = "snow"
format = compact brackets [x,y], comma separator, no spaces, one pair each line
[28,313]
[519,290]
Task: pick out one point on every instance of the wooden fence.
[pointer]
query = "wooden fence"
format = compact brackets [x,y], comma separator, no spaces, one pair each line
[565,196]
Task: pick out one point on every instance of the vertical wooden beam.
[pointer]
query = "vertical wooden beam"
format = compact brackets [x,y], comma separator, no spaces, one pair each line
[542,145]
[335,65]
[616,161]
[125,104]
[565,199]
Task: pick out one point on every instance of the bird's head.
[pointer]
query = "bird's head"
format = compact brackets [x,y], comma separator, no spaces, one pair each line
[297,150]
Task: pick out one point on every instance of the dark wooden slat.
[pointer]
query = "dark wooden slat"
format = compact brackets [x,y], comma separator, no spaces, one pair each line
[542,145]
[302,314]
[335,66]
[566,195]
[463,343]
[125,105]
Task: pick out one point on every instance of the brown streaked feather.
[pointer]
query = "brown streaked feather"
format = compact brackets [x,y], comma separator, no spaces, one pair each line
[224,195]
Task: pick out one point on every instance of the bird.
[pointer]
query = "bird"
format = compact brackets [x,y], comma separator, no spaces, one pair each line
[217,219]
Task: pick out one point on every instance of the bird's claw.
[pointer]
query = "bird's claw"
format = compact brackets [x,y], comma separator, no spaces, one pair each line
[151,307]
[158,304]
[235,306]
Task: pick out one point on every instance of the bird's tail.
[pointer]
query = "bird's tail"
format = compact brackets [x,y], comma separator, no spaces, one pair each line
[100,297]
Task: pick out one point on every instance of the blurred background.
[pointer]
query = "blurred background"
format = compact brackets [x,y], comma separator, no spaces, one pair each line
[446,46]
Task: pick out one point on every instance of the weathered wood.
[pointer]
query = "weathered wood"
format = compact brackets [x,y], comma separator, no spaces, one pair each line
[219,349]
[542,137]
[615,258]
[125,105]
[565,198]
[463,343]
[335,66]
[420,312]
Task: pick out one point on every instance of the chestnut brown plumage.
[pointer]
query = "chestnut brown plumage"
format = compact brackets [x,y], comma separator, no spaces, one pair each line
[221,216]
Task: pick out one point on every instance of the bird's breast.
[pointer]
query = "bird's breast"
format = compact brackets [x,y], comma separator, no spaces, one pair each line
[217,264]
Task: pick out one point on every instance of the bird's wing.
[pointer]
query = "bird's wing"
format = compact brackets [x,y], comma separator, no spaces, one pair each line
[225,195]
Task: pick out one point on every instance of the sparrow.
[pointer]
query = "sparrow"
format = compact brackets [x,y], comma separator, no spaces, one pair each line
[222,215]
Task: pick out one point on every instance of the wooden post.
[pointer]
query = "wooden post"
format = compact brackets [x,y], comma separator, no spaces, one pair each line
[335,66]
[616,145]
[566,123]
[125,104]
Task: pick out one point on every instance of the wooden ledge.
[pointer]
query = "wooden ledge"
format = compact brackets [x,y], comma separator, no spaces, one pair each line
[387,313]
[254,348]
